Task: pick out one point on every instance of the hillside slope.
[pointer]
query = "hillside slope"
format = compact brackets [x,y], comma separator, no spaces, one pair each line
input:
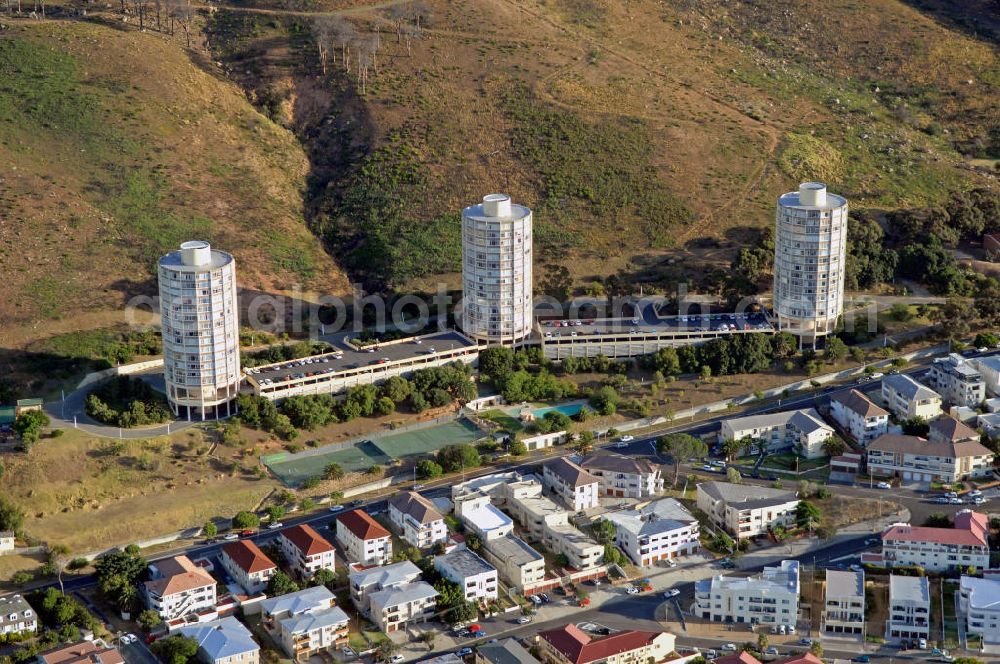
[116,147]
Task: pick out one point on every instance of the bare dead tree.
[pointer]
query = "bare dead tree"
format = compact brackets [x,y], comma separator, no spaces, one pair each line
[364,61]
[184,15]
[370,46]
[344,37]
[399,15]
[411,33]
[322,31]
[170,15]
[422,13]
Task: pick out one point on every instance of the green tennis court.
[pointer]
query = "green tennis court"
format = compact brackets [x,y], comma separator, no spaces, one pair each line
[424,441]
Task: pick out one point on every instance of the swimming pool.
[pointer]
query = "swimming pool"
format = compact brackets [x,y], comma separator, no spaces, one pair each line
[569,409]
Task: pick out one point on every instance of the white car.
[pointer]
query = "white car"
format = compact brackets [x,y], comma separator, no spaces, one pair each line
[275,525]
[130,638]
[523,620]
[396,658]
[975,493]
[336,508]
[884,485]
[673,592]
[730,647]
[535,599]
[231,536]
[626,439]
[631,590]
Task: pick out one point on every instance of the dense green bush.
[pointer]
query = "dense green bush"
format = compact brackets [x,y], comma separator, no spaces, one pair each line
[127,402]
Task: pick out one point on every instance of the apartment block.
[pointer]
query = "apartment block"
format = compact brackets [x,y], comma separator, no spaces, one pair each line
[178,587]
[518,564]
[546,522]
[507,651]
[306,550]
[476,577]
[940,549]
[957,380]
[770,598]
[624,477]
[17,616]
[571,645]
[80,652]
[655,531]
[801,430]
[859,416]
[573,486]
[906,398]
[844,603]
[248,565]
[370,580]
[417,520]
[916,459]
[395,608]
[909,608]
[482,517]
[305,622]
[363,538]
[224,641]
[745,510]
[989,369]
[979,603]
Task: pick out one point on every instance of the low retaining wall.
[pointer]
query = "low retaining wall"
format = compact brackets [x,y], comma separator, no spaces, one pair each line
[123,370]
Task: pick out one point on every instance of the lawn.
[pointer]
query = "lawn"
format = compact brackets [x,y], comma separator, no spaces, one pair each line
[507,422]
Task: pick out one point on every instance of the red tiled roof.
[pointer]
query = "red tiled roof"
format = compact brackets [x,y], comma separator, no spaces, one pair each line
[742,658]
[969,530]
[177,575]
[83,652]
[248,556]
[305,538]
[362,525]
[805,658]
[579,648]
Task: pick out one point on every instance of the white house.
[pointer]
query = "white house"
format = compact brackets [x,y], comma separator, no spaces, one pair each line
[248,565]
[957,380]
[476,577]
[518,564]
[859,416]
[363,538]
[624,476]
[803,430]
[979,602]
[546,522]
[573,486]
[906,398]
[844,603]
[479,514]
[913,458]
[306,550]
[369,580]
[656,531]
[417,520]
[7,540]
[395,608]
[989,369]
[745,510]
[177,587]
[940,549]
[770,598]
[305,622]
[909,608]
[223,641]
[17,616]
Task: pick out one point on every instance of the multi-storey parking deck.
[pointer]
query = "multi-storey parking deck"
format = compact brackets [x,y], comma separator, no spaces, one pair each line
[641,336]
[347,366]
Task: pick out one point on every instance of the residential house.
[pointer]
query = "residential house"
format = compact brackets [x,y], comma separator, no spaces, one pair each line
[655,531]
[248,565]
[366,581]
[476,577]
[507,651]
[177,587]
[909,608]
[770,598]
[950,430]
[305,622]
[957,380]
[363,538]
[844,603]
[859,416]
[81,652]
[395,608]
[572,485]
[802,431]
[479,514]
[906,398]
[518,564]
[989,369]
[546,522]
[17,616]
[940,549]
[914,459]
[571,645]
[744,510]
[7,540]
[417,520]
[979,603]
[306,550]
[224,641]
[990,424]
[624,476]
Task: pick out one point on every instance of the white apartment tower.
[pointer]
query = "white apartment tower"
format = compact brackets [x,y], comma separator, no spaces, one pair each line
[810,243]
[201,341]
[496,271]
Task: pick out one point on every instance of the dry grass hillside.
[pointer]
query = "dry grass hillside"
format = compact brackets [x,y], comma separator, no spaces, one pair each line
[116,146]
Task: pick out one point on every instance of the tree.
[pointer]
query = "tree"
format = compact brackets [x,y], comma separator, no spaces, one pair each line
[834,446]
[428,639]
[149,619]
[118,573]
[731,447]
[805,489]
[680,447]
[428,470]
[386,650]
[733,475]
[451,603]
[210,530]
[987,340]
[605,401]
[939,520]
[275,512]
[280,584]
[333,471]
[28,426]
[496,361]
[384,406]
[916,426]
[324,577]
[603,531]
[816,648]
[11,516]
[954,316]
[836,349]
[807,515]
[453,458]
[762,641]
[518,448]
[176,649]
[59,557]
[245,520]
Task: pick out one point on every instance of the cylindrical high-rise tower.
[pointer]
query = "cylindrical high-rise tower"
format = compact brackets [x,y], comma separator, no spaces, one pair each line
[496,271]
[200,322]
[810,243]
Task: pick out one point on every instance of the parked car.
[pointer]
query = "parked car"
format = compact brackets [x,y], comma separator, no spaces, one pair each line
[523,620]
[396,658]
[862,659]
[711,654]
[729,647]
[231,536]
[771,651]
[941,500]
[955,501]
[544,598]
[884,485]
[975,493]
[535,599]
[805,642]
[626,439]
[922,644]
[275,525]
[631,590]
[464,651]
[336,508]
[673,592]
